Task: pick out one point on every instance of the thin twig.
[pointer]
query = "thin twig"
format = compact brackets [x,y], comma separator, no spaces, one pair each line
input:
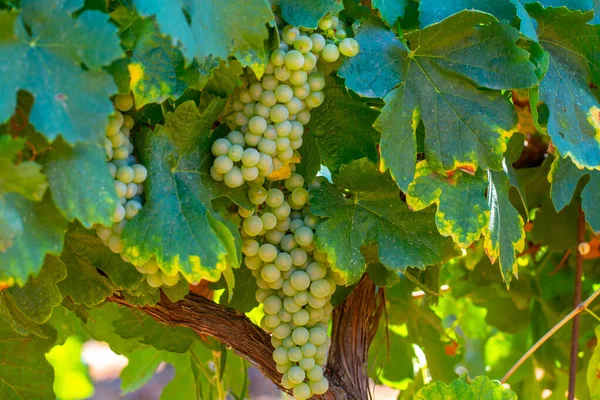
[561,263]
[576,300]
[578,310]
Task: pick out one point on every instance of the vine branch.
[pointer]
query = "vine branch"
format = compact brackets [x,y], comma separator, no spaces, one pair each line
[355,322]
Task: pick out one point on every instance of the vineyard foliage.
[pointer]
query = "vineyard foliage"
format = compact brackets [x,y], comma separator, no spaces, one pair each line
[452,158]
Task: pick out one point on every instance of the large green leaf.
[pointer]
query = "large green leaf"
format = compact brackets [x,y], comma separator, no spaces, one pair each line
[564,177]
[175,224]
[391,10]
[41,50]
[480,388]
[574,65]
[593,371]
[342,127]
[100,326]
[432,11]
[443,73]
[24,178]
[308,13]
[134,324]
[390,357]
[208,29]
[365,208]
[43,231]
[243,298]
[24,372]
[462,210]
[80,183]
[504,235]
[84,255]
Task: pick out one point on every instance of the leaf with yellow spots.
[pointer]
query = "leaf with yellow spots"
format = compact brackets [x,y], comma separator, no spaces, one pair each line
[505,234]
[572,46]
[462,210]
[364,208]
[444,73]
[176,224]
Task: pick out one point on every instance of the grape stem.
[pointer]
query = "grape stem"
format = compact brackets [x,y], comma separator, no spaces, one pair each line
[355,322]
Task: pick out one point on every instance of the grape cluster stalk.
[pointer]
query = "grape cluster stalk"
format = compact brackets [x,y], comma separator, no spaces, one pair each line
[295,283]
[129,177]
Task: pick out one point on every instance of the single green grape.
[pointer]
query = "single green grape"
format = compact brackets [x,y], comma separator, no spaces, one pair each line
[304,235]
[249,173]
[269,220]
[283,211]
[274,236]
[251,157]
[270,273]
[223,164]
[169,280]
[298,77]
[287,289]
[294,106]
[220,147]
[272,305]
[282,73]
[264,162]
[289,34]
[316,82]
[119,213]
[349,47]
[250,247]
[267,252]
[283,261]
[123,102]
[125,174]
[300,336]
[267,146]
[288,242]
[316,373]
[300,280]
[325,23]
[268,98]
[303,44]
[283,93]
[270,82]
[251,139]
[280,355]
[248,110]
[330,53]
[300,196]
[319,387]
[252,225]
[277,57]
[154,280]
[236,137]
[282,332]
[140,173]
[307,363]
[253,263]
[300,317]
[317,336]
[315,99]
[310,61]
[320,288]
[303,117]
[302,391]
[284,128]
[255,90]
[234,177]
[294,354]
[297,130]
[316,302]
[235,152]
[294,60]
[257,195]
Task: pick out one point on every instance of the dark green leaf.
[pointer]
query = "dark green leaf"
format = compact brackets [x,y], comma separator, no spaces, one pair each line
[243,298]
[308,14]
[225,79]
[45,60]
[368,209]
[24,178]
[100,327]
[391,10]
[432,11]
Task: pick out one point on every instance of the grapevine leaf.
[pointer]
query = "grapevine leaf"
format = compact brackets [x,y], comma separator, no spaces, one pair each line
[391,10]
[225,79]
[43,230]
[462,210]
[23,368]
[465,127]
[212,32]
[137,325]
[11,225]
[24,178]
[157,69]
[574,64]
[528,24]
[84,255]
[243,298]
[308,14]
[373,213]
[556,229]
[179,191]
[41,49]
[432,11]
[593,371]
[310,158]
[80,183]
[99,326]
[176,292]
[343,127]
[377,68]
[479,388]
[504,235]
[141,367]
[391,371]
[564,177]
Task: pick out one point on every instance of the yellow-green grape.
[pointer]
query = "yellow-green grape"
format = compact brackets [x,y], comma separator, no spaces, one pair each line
[269,220]
[267,146]
[317,336]
[220,147]
[325,23]
[283,261]
[300,335]
[252,139]
[217,176]
[282,73]
[319,387]
[271,321]
[252,225]
[115,244]
[301,298]
[316,82]
[223,164]
[294,354]
[245,96]
[316,271]
[235,153]
[300,196]
[253,263]
[315,99]
[284,316]
[261,295]
[302,391]
[169,280]
[298,77]
[297,130]
[250,247]
[119,213]
[117,140]
[268,98]
[303,44]
[267,252]
[150,267]
[257,125]
[300,280]
[233,178]
[320,288]
[132,208]
[330,53]
[277,58]
[121,153]
[248,110]
[282,331]
[140,173]
[154,280]
[318,42]
[264,162]
[114,124]
[283,93]
[255,91]
[290,305]
[236,137]
[309,350]
[310,61]
[272,305]
[123,102]
[315,374]
[104,233]
[285,382]
[289,34]
[270,273]
[296,375]
[349,47]
[294,106]
[251,157]
[128,121]
[280,355]
[270,82]
[301,91]
[120,188]
[294,60]
[304,236]
[257,195]
[307,363]
[316,302]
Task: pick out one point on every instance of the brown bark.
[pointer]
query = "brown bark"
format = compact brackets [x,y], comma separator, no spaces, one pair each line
[354,324]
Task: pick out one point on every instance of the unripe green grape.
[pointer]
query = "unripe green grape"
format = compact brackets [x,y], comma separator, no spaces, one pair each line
[330,32]
[300,317]
[296,144]
[297,214]
[294,60]
[283,225]
[125,174]
[285,382]
[301,91]
[300,280]
[330,53]
[128,121]
[275,197]
[264,162]
[262,294]
[283,93]
[154,280]
[235,152]
[234,177]
[311,221]
[255,91]
[252,225]
[123,102]
[140,173]
[270,82]
[295,224]
[294,105]
[297,130]
[272,305]
[282,73]
[282,212]
[287,289]
[283,128]
[270,132]
[325,23]
[316,302]
[299,256]
[271,321]
[115,244]
[302,391]
[112,169]
[119,213]
[303,44]
[120,188]
[267,146]
[245,213]
[257,195]
[268,98]
[241,118]
[304,236]
[270,273]
[303,117]
[117,140]
[283,261]
[223,164]
[288,274]
[245,96]
[320,288]
[264,326]
[267,252]
[237,105]
[317,336]
[260,282]
[327,310]
[280,355]
[251,139]
[316,82]
[315,99]
[113,126]
[260,181]
[278,284]
[349,47]
[315,374]
[300,336]
[294,354]
[263,111]
[250,247]
[169,280]
[257,125]
[236,137]
[284,316]
[276,342]
[341,34]
[321,355]
[274,236]
[307,363]
[289,34]
[290,305]
[298,77]
[248,110]
[319,387]
[288,243]
[250,157]
[318,42]
[278,57]
[282,143]
[269,220]
[120,153]
[316,271]
[315,314]
[310,61]
[105,233]
[132,208]
[296,374]
[300,196]
[282,331]
[253,263]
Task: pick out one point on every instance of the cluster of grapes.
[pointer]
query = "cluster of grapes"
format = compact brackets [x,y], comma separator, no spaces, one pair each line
[129,177]
[295,283]
[271,113]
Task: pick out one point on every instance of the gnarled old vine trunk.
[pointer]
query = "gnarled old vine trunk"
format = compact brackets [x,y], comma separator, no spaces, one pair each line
[355,322]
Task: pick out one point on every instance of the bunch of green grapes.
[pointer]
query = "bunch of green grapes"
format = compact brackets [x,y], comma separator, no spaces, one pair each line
[129,177]
[295,283]
[271,113]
